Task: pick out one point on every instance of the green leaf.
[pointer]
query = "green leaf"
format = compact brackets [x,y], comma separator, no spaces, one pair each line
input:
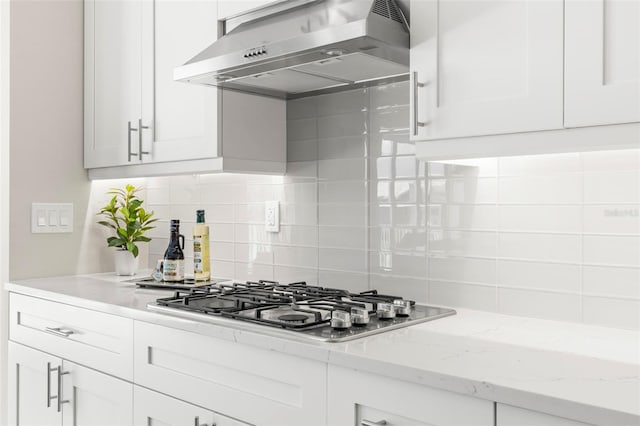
[143,239]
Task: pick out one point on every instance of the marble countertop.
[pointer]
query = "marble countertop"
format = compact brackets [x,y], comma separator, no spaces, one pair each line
[590,374]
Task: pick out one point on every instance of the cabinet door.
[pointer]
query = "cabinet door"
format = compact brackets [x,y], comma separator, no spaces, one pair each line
[155,409]
[183,118]
[94,398]
[602,78]
[357,397]
[113,75]
[507,415]
[482,67]
[31,384]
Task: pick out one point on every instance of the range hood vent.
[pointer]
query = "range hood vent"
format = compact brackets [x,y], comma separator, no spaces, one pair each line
[300,48]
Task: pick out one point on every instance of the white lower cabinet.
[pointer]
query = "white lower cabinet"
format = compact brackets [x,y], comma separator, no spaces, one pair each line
[507,415]
[45,391]
[253,385]
[363,399]
[155,409]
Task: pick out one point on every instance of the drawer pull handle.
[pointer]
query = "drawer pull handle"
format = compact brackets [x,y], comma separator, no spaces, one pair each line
[365,422]
[59,397]
[58,331]
[196,422]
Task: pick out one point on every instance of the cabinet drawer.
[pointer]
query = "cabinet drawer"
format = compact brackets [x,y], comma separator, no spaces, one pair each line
[356,396]
[258,386]
[87,337]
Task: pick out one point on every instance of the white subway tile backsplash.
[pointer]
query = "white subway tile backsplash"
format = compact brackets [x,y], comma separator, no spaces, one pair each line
[342,169]
[474,167]
[612,187]
[462,269]
[621,250]
[540,246]
[342,147]
[535,165]
[539,275]
[302,151]
[342,192]
[343,237]
[410,288]
[470,296]
[550,236]
[559,189]
[352,281]
[304,257]
[537,218]
[612,161]
[608,312]
[342,102]
[612,219]
[390,144]
[396,263]
[347,124]
[342,259]
[539,304]
[471,217]
[462,243]
[611,281]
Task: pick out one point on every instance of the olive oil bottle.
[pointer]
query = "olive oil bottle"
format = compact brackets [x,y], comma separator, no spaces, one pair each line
[201,261]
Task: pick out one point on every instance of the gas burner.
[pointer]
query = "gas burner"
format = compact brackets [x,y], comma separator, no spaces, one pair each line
[323,313]
[297,318]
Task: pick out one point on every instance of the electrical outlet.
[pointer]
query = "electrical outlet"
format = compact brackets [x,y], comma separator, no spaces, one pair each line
[272,216]
[51,218]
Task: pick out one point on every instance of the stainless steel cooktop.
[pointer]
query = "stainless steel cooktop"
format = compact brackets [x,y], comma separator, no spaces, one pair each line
[310,312]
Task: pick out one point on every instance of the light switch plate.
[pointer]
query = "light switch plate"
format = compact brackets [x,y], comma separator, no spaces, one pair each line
[51,218]
[272,216]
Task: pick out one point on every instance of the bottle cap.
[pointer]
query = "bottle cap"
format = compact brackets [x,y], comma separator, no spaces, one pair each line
[199,216]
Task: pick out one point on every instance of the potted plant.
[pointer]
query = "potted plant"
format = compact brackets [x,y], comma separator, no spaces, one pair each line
[128,220]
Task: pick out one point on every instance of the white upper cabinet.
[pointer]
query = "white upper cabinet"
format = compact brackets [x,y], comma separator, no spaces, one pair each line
[483,67]
[113,77]
[227,8]
[137,116]
[602,66]
[177,113]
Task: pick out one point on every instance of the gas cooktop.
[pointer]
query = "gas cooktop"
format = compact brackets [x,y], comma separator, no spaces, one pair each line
[318,313]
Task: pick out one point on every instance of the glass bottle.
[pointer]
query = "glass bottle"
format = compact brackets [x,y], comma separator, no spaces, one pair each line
[173,268]
[201,262]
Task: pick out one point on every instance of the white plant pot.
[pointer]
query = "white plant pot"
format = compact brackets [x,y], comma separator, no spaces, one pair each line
[126,263]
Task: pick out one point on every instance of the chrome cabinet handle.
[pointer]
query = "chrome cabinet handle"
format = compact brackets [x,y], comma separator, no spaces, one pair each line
[416,85]
[58,331]
[129,130]
[59,397]
[140,128]
[365,422]
[49,371]
[196,422]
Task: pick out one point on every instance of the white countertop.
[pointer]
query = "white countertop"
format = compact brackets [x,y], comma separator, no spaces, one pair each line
[587,373]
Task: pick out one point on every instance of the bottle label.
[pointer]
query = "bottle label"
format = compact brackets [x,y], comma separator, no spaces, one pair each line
[173,270]
[197,254]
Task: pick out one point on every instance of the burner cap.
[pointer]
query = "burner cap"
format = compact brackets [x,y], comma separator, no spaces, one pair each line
[293,318]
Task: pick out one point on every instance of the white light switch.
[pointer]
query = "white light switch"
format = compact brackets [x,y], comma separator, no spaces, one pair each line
[272,216]
[51,218]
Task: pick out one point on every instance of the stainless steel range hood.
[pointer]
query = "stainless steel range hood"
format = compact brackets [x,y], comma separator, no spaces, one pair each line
[300,47]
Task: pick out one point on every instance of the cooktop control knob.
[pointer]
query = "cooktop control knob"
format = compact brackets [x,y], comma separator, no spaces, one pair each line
[359,316]
[340,320]
[403,307]
[385,311]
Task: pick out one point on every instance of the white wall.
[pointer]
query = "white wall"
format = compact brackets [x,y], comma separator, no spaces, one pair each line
[47,141]
[4,199]
[550,236]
